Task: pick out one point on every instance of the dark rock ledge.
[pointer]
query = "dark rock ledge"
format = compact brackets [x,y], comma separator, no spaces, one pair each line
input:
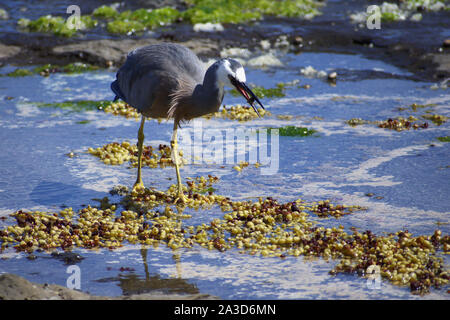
[13,287]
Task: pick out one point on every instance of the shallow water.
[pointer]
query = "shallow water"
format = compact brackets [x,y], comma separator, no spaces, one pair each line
[407,170]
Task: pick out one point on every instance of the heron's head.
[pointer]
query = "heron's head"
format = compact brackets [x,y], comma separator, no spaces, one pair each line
[231,73]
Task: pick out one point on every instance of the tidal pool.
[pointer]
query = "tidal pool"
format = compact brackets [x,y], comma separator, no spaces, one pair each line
[406,173]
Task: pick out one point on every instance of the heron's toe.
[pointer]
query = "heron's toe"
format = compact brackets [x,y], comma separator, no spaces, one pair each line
[138,186]
[180,199]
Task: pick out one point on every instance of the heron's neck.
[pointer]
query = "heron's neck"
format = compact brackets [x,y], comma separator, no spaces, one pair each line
[209,95]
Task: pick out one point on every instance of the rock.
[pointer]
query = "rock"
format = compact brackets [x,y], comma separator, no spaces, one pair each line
[208,27]
[8,51]
[332,76]
[235,53]
[67,257]
[13,287]
[3,14]
[265,44]
[442,62]
[265,60]
[297,40]
[416,17]
[106,52]
[310,72]
[281,42]
[101,52]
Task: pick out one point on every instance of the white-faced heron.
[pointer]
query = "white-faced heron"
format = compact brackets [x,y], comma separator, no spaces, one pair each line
[169,81]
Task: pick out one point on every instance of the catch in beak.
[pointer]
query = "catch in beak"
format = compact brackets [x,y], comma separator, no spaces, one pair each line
[247,93]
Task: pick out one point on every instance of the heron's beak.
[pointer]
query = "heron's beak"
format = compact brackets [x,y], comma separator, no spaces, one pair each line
[247,93]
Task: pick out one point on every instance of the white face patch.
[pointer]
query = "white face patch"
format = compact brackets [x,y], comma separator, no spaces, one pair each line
[240,75]
[224,71]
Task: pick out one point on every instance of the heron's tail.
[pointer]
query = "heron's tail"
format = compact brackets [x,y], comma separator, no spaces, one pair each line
[115,88]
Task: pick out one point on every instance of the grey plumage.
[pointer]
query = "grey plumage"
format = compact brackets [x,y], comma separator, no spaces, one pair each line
[153,76]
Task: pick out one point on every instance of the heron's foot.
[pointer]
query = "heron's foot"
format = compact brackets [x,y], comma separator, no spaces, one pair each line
[180,198]
[138,186]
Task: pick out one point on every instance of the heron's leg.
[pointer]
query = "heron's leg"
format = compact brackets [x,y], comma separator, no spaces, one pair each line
[174,144]
[139,182]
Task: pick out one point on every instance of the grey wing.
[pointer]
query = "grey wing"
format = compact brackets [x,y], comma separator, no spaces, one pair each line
[136,85]
[188,62]
[152,72]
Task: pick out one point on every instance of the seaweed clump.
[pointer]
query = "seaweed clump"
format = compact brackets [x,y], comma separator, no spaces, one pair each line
[264,227]
[437,119]
[400,124]
[397,124]
[117,153]
[238,112]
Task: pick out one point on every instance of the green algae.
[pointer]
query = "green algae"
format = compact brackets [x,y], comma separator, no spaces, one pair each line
[277,92]
[261,92]
[444,139]
[239,11]
[142,19]
[105,12]
[154,18]
[83,122]
[124,27]
[76,67]
[198,11]
[56,25]
[20,73]
[389,17]
[78,106]
[293,131]
[222,11]
[47,69]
